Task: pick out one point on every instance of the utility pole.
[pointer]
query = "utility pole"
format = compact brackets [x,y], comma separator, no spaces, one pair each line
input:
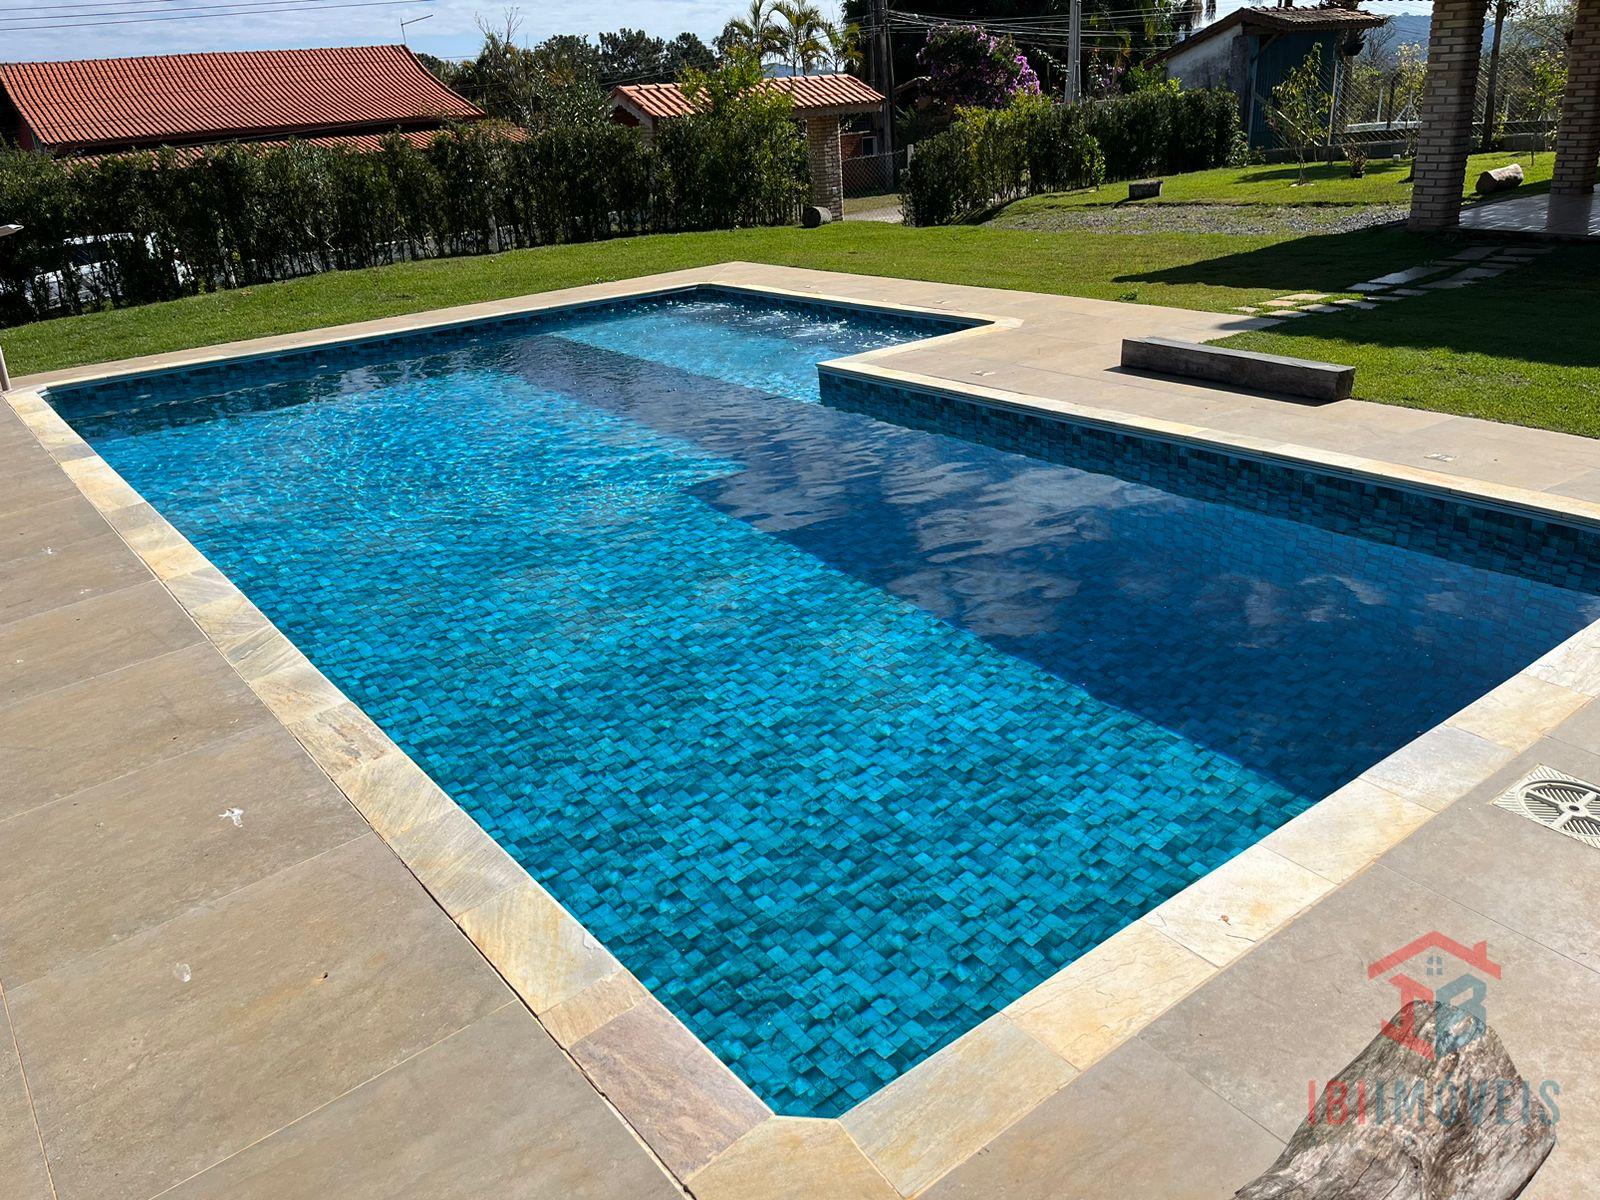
[883,68]
[1075,53]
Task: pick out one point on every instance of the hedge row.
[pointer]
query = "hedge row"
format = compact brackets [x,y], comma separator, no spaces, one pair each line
[1165,131]
[132,229]
[989,157]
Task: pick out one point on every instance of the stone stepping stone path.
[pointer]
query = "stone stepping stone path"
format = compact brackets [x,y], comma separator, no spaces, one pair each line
[1461,269]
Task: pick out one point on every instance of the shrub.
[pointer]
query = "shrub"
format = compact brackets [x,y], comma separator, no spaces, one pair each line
[1165,130]
[135,228]
[969,68]
[990,156]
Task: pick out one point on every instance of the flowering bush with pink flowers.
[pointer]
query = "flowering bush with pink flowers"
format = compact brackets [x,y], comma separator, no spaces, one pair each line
[968,68]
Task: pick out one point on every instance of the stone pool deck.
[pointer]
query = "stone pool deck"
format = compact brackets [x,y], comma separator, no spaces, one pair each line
[247,949]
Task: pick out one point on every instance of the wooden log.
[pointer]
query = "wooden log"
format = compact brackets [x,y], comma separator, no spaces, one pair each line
[1479,1133]
[1501,179]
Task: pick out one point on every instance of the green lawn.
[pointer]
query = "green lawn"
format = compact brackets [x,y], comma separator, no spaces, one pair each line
[1204,271]
[1386,182]
[1519,348]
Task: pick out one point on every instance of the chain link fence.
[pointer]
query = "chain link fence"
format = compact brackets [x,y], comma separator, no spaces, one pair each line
[1372,101]
[874,174]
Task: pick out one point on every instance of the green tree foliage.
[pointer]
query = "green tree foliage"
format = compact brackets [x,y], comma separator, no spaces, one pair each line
[632,56]
[756,33]
[989,156]
[739,131]
[1299,108]
[131,229]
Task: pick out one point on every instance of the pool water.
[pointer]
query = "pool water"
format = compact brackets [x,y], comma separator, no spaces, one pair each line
[841,733]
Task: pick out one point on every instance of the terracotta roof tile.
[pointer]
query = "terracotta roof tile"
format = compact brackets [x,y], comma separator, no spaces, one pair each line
[113,102]
[811,93]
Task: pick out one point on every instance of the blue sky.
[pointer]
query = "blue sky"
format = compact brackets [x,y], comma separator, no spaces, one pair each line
[452,30]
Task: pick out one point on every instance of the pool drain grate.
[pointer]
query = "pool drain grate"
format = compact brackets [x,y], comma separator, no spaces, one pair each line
[1557,801]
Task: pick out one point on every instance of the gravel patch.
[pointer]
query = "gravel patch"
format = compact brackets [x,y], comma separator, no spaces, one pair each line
[1238,219]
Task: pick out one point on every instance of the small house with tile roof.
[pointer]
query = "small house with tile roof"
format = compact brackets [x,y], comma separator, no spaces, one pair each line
[346,95]
[1251,50]
[820,101]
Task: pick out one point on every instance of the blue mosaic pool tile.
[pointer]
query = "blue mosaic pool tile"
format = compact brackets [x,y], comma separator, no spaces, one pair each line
[841,732]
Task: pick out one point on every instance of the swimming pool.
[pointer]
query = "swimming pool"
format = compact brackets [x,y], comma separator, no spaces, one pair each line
[842,724]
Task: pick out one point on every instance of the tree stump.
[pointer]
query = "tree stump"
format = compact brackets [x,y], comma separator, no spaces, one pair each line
[1500,1135]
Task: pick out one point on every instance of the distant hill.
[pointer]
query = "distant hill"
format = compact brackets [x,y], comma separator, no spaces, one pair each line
[1411,27]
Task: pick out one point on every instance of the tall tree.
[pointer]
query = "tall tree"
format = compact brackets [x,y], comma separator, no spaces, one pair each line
[684,53]
[803,34]
[632,56]
[755,33]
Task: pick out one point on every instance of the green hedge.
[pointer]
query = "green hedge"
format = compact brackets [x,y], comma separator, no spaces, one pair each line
[1166,131]
[991,156]
[132,229]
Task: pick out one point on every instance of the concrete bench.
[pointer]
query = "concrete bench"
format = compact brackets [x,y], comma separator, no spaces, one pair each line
[1144,189]
[1302,377]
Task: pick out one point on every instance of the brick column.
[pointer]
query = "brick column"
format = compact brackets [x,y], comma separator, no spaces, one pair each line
[1454,46]
[827,168]
[1578,135]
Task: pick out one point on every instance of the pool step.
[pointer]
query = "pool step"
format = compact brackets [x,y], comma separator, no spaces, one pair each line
[1304,378]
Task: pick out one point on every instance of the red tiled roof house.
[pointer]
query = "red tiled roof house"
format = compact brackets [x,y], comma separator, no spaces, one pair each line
[819,101]
[98,106]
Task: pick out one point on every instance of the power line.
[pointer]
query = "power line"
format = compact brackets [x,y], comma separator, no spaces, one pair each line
[299,7]
[255,5]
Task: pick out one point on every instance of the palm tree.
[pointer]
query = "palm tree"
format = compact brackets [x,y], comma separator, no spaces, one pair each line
[803,37]
[757,30]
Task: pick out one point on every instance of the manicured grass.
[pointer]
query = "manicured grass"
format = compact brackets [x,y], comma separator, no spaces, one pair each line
[1204,271]
[1386,182]
[1520,348]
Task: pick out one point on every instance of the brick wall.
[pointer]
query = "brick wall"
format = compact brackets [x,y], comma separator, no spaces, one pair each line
[1578,136]
[1454,46]
[827,171]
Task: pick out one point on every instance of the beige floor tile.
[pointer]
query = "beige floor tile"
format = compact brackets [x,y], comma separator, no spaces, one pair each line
[792,1158]
[1302,1006]
[95,868]
[1513,870]
[104,633]
[47,529]
[97,730]
[495,1110]
[951,1105]
[91,567]
[187,1043]
[1245,900]
[1134,1127]
[23,1173]
[683,1101]
[30,480]
[1109,994]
